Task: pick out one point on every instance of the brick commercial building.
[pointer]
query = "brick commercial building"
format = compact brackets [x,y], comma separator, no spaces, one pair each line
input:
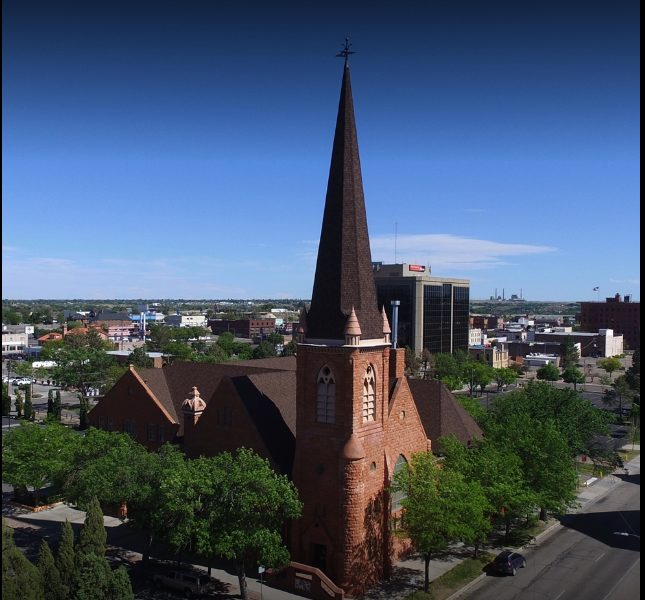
[243,328]
[622,316]
[340,418]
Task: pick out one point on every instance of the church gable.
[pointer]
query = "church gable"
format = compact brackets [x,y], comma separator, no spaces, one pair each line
[132,407]
[405,432]
[225,425]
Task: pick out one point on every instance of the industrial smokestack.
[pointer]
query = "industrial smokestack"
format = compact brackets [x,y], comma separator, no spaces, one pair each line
[395,321]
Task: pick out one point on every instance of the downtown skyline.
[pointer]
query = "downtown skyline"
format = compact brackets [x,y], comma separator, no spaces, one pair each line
[181,149]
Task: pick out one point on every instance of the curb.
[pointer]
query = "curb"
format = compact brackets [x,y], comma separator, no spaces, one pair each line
[543,534]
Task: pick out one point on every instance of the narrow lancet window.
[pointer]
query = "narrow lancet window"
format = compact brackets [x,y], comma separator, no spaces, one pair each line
[326,397]
[369,395]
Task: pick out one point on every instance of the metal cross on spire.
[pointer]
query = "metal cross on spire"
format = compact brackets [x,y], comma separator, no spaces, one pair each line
[345,52]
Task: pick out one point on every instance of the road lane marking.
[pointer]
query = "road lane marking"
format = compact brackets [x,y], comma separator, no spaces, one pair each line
[611,591]
[603,554]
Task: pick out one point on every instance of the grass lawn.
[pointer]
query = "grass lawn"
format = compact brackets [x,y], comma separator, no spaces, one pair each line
[455,579]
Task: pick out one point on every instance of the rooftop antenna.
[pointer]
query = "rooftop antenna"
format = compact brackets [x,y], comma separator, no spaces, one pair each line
[345,52]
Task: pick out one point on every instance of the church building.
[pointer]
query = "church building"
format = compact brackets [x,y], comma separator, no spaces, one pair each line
[340,419]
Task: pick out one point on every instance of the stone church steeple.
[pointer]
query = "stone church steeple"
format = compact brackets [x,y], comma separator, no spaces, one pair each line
[343,380]
[344,278]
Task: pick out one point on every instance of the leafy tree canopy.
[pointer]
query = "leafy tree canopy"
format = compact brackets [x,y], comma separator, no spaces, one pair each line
[33,455]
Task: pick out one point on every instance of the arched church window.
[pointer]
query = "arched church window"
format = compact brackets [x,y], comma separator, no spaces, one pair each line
[369,395]
[397,497]
[326,397]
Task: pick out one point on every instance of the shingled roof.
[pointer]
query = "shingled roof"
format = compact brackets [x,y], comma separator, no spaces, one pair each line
[172,384]
[344,277]
[441,413]
[270,401]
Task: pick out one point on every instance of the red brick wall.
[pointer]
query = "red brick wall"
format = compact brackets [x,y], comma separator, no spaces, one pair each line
[346,502]
[223,426]
[129,400]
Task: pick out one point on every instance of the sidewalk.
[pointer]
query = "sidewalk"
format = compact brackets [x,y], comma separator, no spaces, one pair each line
[408,574]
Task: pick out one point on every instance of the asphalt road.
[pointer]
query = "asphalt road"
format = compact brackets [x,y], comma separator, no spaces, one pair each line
[594,556]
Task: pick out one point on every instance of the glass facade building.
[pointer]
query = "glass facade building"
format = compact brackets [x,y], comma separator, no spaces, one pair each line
[434,311]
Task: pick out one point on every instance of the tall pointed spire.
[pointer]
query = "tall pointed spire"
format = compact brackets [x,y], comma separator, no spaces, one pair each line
[344,277]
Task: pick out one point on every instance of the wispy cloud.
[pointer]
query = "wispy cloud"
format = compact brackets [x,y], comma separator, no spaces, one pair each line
[447,250]
[629,281]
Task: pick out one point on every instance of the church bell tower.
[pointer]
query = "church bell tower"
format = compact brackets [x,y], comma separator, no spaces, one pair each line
[343,374]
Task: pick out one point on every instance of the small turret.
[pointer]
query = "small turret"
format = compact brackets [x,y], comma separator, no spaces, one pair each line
[386,326]
[352,330]
[192,409]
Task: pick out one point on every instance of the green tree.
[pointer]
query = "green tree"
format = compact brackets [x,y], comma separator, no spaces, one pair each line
[504,377]
[18,404]
[58,410]
[50,404]
[498,471]
[609,365]
[439,508]
[411,362]
[633,374]
[275,338]
[547,464]
[93,577]
[28,407]
[573,374]
[290,349]
[472,406]
[569,354]
[92,538]
[112,466]
[548,372]
[484,375]
[245,512]
[160,336]
[213,354]
[81,358]
[120,586]
[20,579]
[6,400]
[226,341]
[446,366]
[34,455]
[179,350]
[577,418]
[619,392]
[65,557]
[84,409]
[139,358]
[52,585]
[264,350]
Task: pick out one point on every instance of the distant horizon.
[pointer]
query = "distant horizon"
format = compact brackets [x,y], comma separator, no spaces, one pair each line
[276,300]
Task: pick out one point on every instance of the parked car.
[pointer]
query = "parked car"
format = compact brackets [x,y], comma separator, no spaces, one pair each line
[191,584]
[509,562]
[22,381]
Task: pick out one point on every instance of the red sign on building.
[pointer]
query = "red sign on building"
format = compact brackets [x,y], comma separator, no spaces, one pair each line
[419,268]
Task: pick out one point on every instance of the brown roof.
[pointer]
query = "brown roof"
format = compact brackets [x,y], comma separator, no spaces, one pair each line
[344,277]
[441,413]
[286,363]
[270,401]
[172,384]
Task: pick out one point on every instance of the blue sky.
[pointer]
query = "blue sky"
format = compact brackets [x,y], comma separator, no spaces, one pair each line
[181,149]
